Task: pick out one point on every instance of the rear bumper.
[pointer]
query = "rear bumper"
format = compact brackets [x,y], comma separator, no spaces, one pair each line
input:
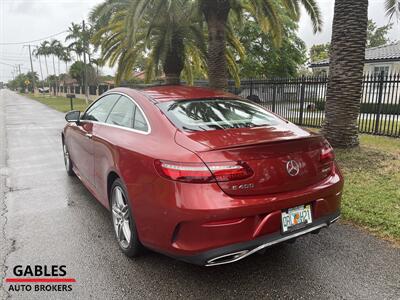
[198,223]
[239,251]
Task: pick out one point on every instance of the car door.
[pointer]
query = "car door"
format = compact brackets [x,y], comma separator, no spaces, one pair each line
[82,152]
[109,138]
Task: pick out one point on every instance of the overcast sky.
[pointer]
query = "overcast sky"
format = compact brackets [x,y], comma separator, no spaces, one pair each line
[28,20]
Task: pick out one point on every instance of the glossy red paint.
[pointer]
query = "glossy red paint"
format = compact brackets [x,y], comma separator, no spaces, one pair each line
[184,219]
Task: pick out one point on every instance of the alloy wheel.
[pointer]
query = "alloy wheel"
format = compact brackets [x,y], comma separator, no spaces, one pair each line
[66,157]
[121,218]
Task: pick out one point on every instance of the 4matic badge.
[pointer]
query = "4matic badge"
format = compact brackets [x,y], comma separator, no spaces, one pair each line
[40,278]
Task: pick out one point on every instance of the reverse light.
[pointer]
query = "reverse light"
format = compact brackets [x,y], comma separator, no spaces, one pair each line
[202,173]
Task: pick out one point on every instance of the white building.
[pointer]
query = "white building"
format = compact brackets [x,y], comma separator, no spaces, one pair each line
[377,59]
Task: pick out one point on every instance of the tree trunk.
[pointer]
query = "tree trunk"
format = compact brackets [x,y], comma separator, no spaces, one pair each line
[47,67]
[41,71]
[216,14]
[346,73]
[55,77]
[174,61]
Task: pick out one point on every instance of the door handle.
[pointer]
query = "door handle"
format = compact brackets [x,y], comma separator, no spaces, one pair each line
[88,135]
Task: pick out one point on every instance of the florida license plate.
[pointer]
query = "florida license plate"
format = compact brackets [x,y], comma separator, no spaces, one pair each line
[296,218]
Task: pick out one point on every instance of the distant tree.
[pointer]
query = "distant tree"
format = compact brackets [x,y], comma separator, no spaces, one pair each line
[264,57]
[66,57]
[377,36]
[44,50]
[79,40]
[77,71]
[23,81]
[31,77]
[319,52]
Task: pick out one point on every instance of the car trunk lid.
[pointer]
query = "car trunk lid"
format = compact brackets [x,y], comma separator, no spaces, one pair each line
[282,159]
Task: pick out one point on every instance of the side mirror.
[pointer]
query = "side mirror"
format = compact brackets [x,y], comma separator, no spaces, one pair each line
[73,116]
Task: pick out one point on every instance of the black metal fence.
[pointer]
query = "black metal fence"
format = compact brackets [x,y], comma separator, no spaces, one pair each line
[302,101]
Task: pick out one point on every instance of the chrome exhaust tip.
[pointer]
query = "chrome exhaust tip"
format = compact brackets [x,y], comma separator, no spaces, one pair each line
[235,256]
[227,258]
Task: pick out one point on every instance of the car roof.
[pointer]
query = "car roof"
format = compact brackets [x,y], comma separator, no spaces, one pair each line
[182,92]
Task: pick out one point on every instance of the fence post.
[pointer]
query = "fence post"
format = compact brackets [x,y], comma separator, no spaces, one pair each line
[302,92]
[274,97]
[251,86]
[380,96]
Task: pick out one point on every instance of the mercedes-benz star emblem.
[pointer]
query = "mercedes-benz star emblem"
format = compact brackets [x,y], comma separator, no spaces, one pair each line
[292,167]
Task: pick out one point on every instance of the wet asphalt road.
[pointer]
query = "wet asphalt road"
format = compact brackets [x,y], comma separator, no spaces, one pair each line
[48,218]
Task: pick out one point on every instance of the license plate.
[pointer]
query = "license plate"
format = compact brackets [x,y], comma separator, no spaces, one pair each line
[296,218]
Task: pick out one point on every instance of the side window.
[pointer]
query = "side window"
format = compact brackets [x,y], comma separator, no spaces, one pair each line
[100,110]
[140,121]
[122,113]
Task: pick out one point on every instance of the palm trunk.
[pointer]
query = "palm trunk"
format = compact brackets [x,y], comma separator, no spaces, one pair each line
[346,73]
[54,67]
[47,67]
[41,71]
[174,61]
[216,14]
[55,76]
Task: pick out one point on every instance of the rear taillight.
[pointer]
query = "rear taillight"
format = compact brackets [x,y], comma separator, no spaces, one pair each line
[201,173]
[327,154]
[327,158]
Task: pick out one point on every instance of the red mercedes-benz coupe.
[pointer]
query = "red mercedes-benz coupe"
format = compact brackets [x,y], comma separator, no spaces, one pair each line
[201,175]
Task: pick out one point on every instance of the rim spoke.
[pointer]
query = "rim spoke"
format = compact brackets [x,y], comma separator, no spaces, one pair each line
[121,234]
[119,198]
[118,230]
[124,212]
[126,230]
[116,213]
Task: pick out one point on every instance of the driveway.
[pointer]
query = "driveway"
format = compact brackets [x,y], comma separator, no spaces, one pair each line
[48,218]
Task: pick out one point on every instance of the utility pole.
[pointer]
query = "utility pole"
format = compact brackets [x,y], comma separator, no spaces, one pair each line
[18,66]
[84,62]
[33,74]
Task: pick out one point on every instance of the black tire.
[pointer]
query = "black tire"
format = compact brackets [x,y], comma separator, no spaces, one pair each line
[131,246]
[67,161]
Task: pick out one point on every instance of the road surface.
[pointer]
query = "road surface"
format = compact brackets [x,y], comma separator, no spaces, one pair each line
[48,218]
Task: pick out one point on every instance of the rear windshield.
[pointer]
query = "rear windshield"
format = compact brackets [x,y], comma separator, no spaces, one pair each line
[215,114]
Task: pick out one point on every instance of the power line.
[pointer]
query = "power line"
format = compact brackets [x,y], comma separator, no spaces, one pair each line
[7,64]
[38,40]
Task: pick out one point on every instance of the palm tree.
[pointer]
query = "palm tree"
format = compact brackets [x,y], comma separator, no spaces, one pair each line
[66,57]
[36,53]
[393,8]
[44,51]
[173,41]
[76,37]
[266,12]
[218,12]
[55,49]
[347,55]
[98,62]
